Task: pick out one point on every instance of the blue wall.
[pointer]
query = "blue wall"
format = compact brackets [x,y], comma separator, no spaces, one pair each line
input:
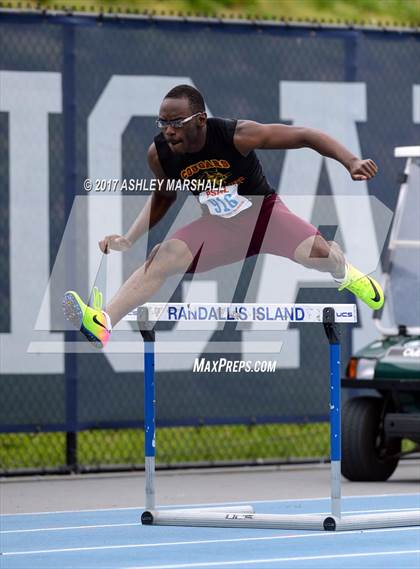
[239,69]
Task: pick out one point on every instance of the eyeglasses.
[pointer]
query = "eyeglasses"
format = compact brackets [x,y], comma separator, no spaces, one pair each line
[177,123]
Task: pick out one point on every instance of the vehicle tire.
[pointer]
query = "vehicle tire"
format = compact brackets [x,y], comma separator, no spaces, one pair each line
[365,457]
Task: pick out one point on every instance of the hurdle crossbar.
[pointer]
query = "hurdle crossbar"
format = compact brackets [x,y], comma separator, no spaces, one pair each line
[148,315]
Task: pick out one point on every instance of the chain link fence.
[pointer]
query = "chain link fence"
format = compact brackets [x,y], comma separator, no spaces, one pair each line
[112,449]
[63,408]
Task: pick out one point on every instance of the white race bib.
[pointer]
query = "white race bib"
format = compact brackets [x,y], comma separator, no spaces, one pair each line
[224,202]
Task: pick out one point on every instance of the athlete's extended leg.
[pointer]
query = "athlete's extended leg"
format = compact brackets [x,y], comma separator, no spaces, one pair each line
[168,258]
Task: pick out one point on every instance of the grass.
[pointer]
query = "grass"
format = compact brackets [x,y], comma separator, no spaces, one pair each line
[379,12]
[174,445]
[101,448]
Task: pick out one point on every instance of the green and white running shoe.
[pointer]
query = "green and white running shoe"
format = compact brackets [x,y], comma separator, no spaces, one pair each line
[364,287]
[93,322]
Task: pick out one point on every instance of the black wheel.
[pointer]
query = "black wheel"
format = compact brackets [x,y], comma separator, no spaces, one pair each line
[365,457]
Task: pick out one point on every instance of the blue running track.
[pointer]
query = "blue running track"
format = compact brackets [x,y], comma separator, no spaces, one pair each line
[115,538]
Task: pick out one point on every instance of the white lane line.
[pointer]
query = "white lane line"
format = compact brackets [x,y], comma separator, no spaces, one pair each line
[277,560]
[65,528]
[207,504]
[204,541]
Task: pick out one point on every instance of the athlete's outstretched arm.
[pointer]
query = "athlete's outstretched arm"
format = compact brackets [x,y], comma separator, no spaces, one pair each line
[250,135]
[156,207]
[158,203]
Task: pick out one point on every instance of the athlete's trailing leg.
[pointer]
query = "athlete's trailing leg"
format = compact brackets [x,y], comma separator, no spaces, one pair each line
[317,253]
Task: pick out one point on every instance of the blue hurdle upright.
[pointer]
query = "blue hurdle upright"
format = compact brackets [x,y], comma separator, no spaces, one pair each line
[330,316]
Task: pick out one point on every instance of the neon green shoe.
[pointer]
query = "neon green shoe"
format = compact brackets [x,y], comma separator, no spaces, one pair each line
[93,322]
[364,287]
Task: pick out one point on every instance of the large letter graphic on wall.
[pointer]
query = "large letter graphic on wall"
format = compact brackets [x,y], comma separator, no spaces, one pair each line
[416,104]
[123,98]
[334,108]
[28,98]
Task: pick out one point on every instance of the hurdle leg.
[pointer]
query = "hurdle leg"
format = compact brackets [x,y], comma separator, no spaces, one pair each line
[149,406]
[335,409]
[149,422]
[335,423]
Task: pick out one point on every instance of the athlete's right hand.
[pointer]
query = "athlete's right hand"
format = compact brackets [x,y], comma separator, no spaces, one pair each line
[115,242]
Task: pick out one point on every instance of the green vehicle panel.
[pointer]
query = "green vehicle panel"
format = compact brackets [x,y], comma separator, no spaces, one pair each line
[398,357]
[396,361]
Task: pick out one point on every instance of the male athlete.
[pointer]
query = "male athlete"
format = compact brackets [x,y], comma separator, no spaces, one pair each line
[245,218]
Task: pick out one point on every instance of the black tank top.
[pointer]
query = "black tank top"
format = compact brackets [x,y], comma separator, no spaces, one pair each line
[218,161]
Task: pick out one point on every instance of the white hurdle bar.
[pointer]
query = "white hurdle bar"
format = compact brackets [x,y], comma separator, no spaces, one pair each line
[148,315]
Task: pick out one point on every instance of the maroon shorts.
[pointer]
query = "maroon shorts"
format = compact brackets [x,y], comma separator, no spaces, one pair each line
[266,227]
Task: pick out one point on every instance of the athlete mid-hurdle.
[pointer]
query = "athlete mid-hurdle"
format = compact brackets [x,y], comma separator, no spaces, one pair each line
[246,219]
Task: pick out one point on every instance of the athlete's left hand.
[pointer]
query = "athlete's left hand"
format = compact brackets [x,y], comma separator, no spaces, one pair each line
[362,169]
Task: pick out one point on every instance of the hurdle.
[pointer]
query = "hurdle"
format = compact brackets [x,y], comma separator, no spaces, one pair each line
[330,316]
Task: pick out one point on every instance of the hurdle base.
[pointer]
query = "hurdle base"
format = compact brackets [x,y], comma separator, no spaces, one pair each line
[238,519]
[149,517]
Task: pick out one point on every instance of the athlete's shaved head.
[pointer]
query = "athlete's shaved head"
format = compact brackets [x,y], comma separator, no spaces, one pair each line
[195,98]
